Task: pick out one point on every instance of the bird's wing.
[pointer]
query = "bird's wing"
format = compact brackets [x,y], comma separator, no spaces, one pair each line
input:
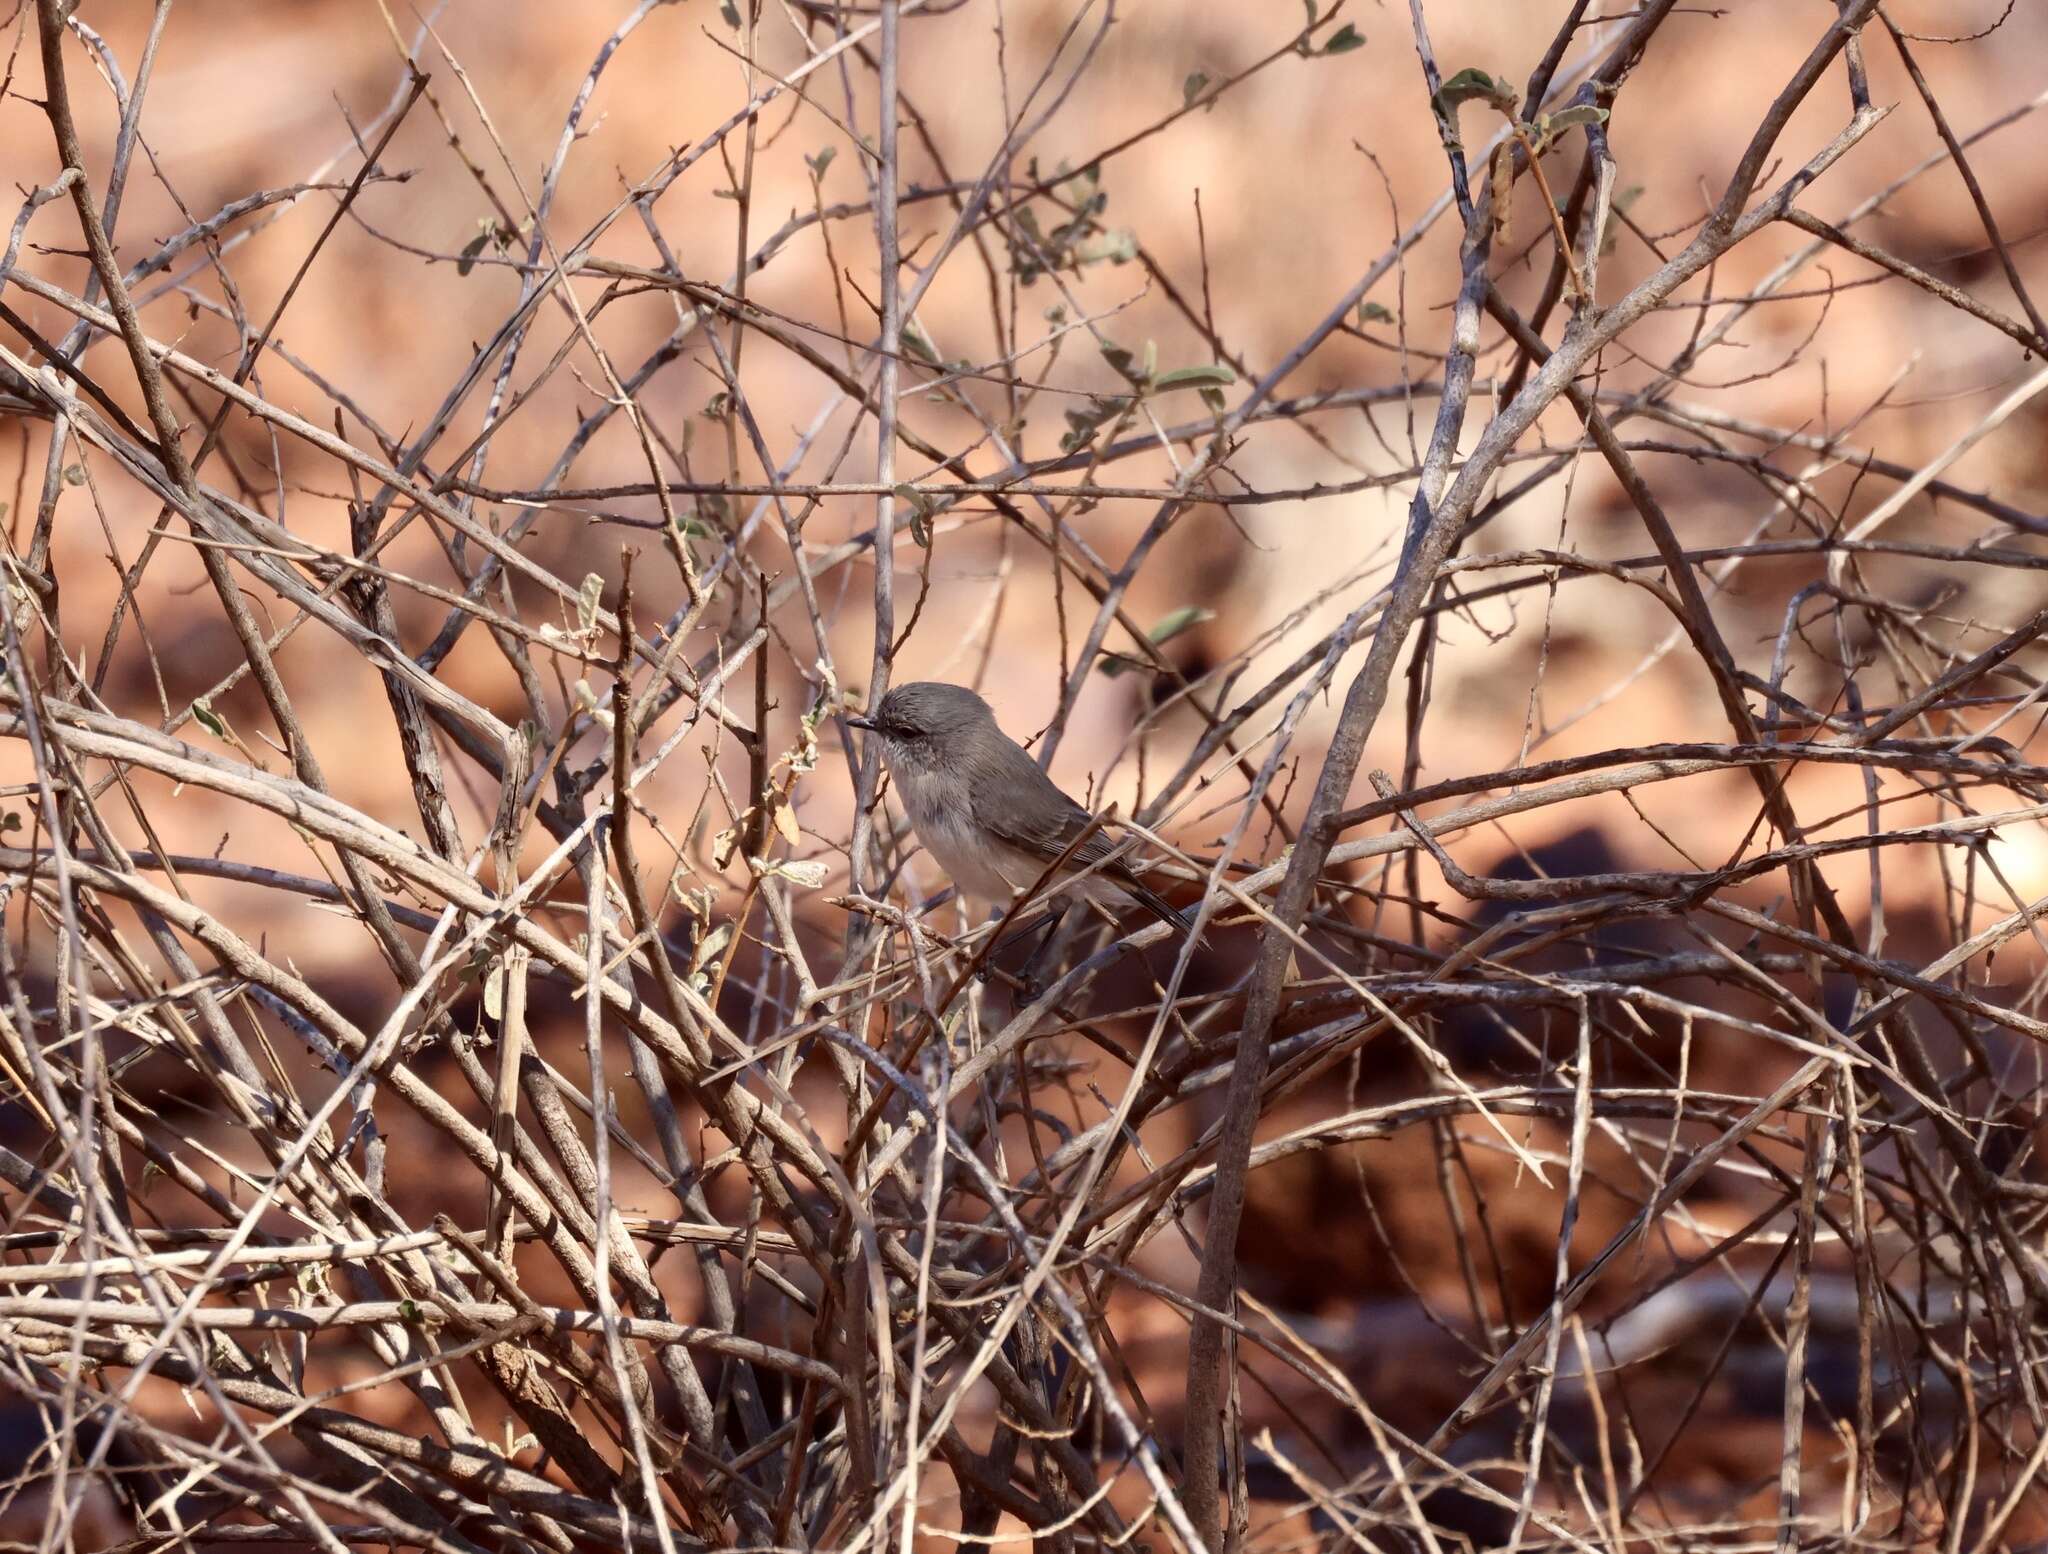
[1040,821]
[1045,830]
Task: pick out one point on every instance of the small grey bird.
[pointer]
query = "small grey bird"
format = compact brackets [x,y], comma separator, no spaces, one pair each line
[982,807]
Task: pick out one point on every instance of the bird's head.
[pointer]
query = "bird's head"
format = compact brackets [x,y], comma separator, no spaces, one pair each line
[924,722]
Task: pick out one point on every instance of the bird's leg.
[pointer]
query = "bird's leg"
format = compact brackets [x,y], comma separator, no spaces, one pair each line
[1046,951]
[1026,981]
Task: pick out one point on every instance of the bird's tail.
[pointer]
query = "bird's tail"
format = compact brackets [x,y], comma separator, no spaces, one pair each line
[1158,905]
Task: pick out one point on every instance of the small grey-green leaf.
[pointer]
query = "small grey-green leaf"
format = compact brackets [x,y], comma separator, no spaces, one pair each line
[1165,629]
[1468,84]
[920,514]
[817,164]
[588,599]
[1174,622]
[1577,113]
[470,250]
[1344,40]
[1118,247]
[1373,313]
[209,719]
[1191,88]
[1215,374]
[731,14]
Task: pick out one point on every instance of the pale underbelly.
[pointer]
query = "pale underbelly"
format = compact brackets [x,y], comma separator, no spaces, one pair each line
[992,872]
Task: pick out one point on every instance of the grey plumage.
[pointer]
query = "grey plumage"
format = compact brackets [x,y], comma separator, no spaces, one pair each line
[982,807]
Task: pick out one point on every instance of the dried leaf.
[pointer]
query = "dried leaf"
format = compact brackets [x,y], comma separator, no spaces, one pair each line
[806,873]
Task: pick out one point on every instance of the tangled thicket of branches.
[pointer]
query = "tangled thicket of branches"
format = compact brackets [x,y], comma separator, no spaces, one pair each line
[488,1069]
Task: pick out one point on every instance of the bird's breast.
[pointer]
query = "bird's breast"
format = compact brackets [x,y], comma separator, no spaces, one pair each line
[939,811]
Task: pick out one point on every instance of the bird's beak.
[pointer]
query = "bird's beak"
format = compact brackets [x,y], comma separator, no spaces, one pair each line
[855,720]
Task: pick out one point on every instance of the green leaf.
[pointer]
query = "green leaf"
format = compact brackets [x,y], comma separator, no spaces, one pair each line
[1083,424]
[1191,88]
[1169,626]
[920,507]
[1174,622]
[209,720]
[1373,313]
[731,14]
[1468,84]
[1215,374]
[74,474]
[1344,40]
[1128,366]
[9,821]
[1213,398]
[915,342]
